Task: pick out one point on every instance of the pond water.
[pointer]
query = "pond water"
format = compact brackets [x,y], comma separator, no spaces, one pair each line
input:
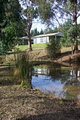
[60,81]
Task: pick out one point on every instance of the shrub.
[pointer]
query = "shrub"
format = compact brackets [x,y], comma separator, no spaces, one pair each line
[53,47]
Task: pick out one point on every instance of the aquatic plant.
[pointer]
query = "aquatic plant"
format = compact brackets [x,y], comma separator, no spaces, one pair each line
[22,69]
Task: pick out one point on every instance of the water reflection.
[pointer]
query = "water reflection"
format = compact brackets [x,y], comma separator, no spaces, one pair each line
[6,73]
[58,80]
[61,81]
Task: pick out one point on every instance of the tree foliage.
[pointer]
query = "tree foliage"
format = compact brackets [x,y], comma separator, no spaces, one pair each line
[11,24]
[53,48]
[45,11]
[72,33]
[65,41]
[12,11]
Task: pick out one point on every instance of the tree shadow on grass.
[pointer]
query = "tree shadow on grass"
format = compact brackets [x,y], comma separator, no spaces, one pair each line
[60,115]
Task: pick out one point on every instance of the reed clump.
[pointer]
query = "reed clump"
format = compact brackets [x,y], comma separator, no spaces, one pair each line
[22,69]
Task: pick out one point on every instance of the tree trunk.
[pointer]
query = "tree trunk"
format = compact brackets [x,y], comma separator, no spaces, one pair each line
[29,41]
[75,23]
[29,25]
[75,46]
[0,34]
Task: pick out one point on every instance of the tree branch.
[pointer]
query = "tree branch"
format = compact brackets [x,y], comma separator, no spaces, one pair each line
[63,10]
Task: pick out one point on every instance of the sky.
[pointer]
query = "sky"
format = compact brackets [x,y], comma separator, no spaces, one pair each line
[39,25]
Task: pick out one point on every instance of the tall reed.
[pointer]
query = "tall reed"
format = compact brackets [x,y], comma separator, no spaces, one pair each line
[22,69]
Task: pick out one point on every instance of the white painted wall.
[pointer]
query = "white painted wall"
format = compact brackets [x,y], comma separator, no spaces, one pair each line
[41,40]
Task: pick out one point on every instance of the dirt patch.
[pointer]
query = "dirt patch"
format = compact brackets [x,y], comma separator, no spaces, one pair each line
[69,57]
[18,103]
[38,55]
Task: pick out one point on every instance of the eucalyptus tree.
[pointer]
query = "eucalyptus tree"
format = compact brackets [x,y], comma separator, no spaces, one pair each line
[59,10]
[75,8]
[29,12]
[72,7]
[44,11]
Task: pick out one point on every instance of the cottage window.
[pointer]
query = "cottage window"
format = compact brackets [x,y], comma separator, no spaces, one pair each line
[41,40]
[35,40]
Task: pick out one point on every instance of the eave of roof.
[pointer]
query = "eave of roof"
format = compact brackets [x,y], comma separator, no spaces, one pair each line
[25,37]
[49,34]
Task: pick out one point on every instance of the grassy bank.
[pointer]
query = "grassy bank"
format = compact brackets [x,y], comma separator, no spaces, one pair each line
[39,54]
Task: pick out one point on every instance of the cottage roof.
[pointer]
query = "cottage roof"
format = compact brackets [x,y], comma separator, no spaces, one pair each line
[25,37]
[49,34]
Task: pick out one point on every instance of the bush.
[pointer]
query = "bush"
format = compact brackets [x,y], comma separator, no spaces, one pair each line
[53,48]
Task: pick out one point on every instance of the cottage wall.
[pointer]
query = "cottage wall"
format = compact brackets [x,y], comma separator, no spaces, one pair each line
[41,40]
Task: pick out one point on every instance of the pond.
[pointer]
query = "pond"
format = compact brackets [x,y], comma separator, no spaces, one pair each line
[63,82]
[57,80]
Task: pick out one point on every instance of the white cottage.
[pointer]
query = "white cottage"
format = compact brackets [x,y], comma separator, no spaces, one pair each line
[45,38]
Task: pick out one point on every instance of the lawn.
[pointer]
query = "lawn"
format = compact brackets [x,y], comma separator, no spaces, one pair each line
[41,46]
[34,46]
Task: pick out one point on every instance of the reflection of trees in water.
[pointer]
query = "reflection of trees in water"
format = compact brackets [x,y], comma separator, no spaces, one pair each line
[6,73]
[75,73]
[71,92]
[69,77]
[59,73]
[71,87]
[65,75]
[54,72]
[74,76]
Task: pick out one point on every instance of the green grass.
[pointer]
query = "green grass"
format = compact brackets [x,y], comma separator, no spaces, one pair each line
[34,46]
[41,46]
[22,47]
